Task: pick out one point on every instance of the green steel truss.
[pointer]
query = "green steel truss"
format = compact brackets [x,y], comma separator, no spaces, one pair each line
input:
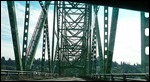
[36,36]
[72,31]
[75,50]
[77,43]
[106,59]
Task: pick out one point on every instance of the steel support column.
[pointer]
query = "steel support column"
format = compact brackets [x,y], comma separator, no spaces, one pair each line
[45,38]
[14,33]
[25,35]
[58,44]
[112,36]
[44,47]
[105,35]
[48,46]
[53,39]
[96,26]
[144,41]
[93,52]
[89,40]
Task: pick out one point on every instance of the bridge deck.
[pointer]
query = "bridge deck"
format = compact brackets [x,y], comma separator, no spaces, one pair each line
[64,79]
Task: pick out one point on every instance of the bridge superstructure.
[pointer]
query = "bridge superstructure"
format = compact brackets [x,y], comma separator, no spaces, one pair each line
[77,41]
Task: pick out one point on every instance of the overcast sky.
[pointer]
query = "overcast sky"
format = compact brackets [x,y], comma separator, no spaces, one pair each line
[127,44]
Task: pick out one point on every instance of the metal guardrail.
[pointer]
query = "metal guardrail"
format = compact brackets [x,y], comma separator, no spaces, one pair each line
[25,75]
[121,76]
[8,75]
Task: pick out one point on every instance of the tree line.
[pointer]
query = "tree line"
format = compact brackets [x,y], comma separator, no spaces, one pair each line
[116,67]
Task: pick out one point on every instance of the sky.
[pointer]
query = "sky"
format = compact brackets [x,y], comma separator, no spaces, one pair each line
[127,43]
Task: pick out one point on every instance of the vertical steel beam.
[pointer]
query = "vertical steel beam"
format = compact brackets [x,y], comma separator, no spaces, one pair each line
[45,37]
[55,62]
[84,53]
[85,38]
[14,33]
[54,17]
[112,36]
[48,46]
[144,41]
[95,64]
[44,47]
[89,21]
[58,27]
[89,39]
[25,35]
[105,35]
[90,54]
[93,51]
[96,25]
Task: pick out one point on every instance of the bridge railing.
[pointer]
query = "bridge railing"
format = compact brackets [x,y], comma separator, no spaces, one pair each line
[8,75]
[25,75]
[121,76]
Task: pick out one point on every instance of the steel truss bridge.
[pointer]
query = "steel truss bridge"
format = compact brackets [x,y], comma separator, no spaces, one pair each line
[77,41]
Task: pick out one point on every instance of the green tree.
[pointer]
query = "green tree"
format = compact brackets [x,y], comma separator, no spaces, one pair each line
[3,60]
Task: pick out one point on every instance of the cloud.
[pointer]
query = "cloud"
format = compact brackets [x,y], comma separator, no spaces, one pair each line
[128,40]
[5,29]
[7,50]
[6,37]
[127,44]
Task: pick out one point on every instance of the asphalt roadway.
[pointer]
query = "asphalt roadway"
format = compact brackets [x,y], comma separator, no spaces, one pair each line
[64,79]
